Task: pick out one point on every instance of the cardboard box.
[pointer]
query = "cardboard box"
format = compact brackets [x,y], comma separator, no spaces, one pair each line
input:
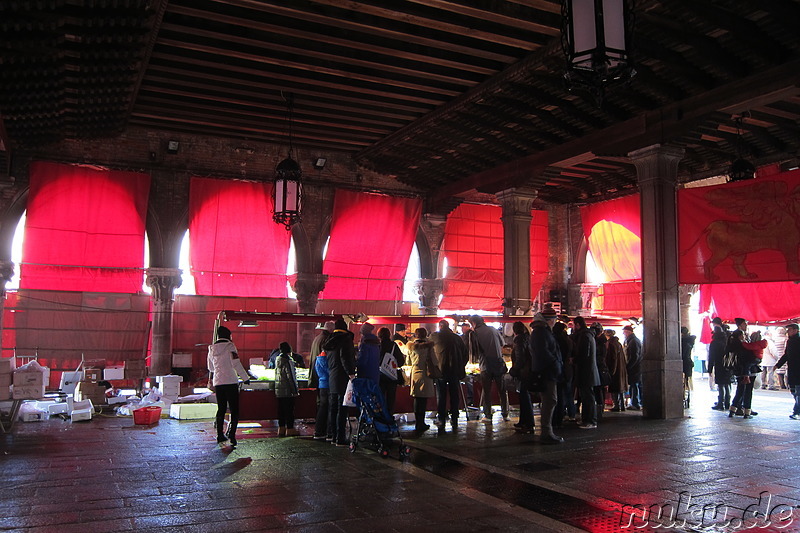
[135,364]
[5,393]
[24,379]
[93,374]
[86,390]
[7,365]
[192,411]
[182,360]
[114,372]
[5,380]
[27,392]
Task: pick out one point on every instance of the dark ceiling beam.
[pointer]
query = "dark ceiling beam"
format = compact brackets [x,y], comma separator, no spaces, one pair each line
[338,73]
[659,126]
[311,36]
[292,81]
[159,7]
[490,15]
[289,9]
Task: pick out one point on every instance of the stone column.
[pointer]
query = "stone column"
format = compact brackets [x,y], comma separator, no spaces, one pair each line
[6,273]
[429,291]
[517,204]
[307,286]
[432,226]
[163,282]
[662,373]
[685,293]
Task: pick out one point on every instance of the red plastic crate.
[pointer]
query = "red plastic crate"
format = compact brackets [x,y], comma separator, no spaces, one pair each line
[146,415]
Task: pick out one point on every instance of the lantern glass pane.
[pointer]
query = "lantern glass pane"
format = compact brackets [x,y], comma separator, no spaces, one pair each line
[292,196]
[584,31]
[280,196]
[614,24]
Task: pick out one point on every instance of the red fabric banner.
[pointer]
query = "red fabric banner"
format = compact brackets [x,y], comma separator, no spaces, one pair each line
[613,232]
[757,302]
[742,231]
[620,299]
[84,229]
[236,248]
[371,240]
[473,246]
[540,250]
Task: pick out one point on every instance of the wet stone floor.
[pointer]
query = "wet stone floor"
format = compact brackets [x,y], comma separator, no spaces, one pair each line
[703,473]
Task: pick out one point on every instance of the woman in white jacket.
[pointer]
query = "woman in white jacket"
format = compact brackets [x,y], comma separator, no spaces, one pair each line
[225,369]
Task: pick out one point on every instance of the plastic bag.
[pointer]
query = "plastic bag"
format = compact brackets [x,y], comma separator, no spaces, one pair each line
[349,400]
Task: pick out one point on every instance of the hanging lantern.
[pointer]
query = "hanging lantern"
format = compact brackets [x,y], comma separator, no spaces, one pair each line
[596,40]
[288,190]
[741,169]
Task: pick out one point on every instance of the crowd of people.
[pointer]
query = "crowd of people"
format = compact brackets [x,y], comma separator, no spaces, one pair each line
[573,367]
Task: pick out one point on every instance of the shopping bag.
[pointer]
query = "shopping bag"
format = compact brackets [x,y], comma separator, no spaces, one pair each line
[389,366]
[349,400]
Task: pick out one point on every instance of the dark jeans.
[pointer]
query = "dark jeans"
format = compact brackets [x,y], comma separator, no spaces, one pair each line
[337,418]
[796,393]
[743,398]
[525,407]
[487,378]
[420,406]
[227,396]
[286,412]
[448,386]
[636,394]
[321,423]
[389,391]
[588,405]
[724,398]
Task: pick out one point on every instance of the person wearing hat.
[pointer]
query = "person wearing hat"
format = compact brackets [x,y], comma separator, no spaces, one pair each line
[341,369]
[286,390]
[548,362]
[368,359]
[792,359]
[488,345]
[224,371]
[633,355]
[587,377]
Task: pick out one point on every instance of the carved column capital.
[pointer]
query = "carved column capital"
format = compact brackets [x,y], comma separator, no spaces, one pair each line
[433,227]
[517,201]
[307,286]
[6,271]
[163,282]
[657,162]
[428,291]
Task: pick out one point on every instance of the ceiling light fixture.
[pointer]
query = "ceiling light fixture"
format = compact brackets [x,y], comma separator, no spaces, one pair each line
[248,323]
[596,40]
[741,169]
[288,190]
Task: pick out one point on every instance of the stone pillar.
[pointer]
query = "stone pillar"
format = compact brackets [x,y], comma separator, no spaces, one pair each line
[517,204]
[662,372]
[163,282]
[307,286]
[685,293]
[432,226]
[429,291]
[6,273]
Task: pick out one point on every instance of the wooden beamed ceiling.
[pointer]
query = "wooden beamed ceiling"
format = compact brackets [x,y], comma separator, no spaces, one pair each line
[450,98]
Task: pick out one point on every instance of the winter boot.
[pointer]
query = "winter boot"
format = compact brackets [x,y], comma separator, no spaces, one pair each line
[282,431]
[747,414]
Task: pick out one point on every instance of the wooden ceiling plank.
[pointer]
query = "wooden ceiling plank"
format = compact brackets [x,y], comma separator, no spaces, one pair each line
[422,22]
[483,14]
[316,69]
[297,80]
[331,40]
[288,9]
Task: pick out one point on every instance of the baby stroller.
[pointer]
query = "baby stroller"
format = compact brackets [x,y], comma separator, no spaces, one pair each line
[376,426]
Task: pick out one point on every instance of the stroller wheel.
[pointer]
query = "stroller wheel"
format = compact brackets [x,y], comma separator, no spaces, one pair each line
[352,447]
[383,452]
[405,451]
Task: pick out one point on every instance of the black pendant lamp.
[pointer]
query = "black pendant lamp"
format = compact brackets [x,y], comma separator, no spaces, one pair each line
[288,190]
[741,169]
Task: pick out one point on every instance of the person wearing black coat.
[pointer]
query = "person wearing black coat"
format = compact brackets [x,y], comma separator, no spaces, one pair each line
[521,362]
[633,356]
[586,375]
[548,362]
[716,364]
[341,355]
[452,355]
[566,390]
[792,358]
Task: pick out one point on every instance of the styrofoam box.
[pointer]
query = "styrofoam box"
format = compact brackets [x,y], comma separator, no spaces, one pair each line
[82,411]
[57,408]
[114,372]
[38,416]
[192,411]
[7,365]
[171,378]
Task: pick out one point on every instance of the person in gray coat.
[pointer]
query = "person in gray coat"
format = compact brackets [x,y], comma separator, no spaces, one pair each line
[587,376]
[488,345]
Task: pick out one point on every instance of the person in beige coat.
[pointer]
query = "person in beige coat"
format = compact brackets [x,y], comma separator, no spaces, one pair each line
[423,369]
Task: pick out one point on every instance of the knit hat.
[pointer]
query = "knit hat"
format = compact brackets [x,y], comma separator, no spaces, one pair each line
[284,347]
[627,328]
[548,313]
[367,328]
[223,333]
[340,324]
[539,318]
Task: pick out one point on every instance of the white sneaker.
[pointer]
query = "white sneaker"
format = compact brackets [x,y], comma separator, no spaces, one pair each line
[588,426]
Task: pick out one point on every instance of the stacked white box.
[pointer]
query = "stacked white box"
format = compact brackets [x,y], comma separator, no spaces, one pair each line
[169,386]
